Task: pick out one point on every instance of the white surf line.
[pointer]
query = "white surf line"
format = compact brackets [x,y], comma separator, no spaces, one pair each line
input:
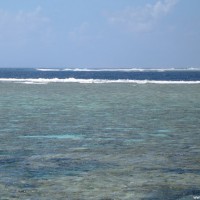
[73,80]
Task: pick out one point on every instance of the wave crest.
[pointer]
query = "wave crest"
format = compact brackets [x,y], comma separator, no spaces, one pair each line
[118,69]
[73,80]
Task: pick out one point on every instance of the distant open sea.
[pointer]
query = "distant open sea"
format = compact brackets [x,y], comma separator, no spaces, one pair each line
[99,134]
[135,75]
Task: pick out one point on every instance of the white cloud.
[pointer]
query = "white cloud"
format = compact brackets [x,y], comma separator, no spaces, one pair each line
[21,25]
[142,18]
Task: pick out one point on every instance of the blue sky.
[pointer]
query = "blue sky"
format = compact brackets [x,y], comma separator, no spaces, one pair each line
[100,33]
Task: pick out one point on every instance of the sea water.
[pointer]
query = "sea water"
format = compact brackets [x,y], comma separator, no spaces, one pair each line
[86,140]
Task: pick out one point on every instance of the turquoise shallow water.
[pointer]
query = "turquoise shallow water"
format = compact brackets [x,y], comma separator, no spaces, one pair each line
[99,141]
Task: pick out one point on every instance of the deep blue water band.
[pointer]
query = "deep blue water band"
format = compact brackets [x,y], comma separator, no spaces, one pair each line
[165,75]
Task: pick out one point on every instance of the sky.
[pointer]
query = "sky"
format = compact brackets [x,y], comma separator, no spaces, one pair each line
[100,33]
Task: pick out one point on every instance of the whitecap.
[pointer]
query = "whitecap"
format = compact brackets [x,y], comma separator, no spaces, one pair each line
[87,81]
[33,83]
[47,70]
[129,69]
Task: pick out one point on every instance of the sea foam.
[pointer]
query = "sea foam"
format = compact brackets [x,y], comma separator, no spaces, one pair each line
[87,81]
[118,69]
[47,70]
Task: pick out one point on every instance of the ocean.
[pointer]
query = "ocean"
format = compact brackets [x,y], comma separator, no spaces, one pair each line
[99,134]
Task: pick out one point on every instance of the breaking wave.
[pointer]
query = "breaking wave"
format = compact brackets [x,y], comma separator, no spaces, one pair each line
[87,81]
[118,69]
[48,70]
